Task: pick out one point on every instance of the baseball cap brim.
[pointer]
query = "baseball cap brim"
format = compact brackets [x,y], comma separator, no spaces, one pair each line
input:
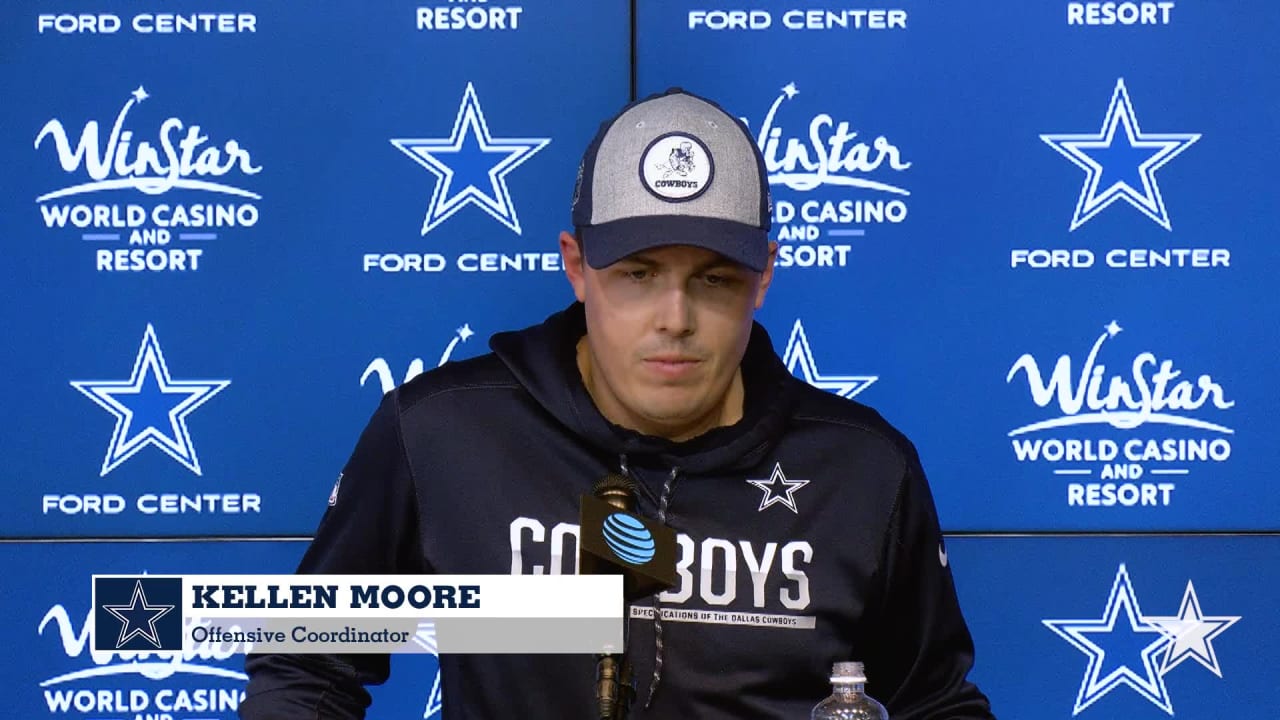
[607,243]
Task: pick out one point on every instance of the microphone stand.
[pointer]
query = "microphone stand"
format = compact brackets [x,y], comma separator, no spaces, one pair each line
[614,689]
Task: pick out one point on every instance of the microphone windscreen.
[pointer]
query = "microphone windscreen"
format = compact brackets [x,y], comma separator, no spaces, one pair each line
[617,490]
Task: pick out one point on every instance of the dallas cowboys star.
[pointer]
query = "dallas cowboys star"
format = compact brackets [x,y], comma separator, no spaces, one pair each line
[1193,633]
[1120,653]
[774,494]
[477,167]
[798,358]
[150,408]
[1120,168]
[138,618]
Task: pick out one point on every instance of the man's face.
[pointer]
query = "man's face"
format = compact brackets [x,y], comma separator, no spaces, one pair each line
[666,332]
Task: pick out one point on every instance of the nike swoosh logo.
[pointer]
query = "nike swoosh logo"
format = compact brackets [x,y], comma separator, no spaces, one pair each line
[942,555]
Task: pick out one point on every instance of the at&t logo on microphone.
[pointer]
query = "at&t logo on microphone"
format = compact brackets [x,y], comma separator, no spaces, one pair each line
[628,538]
[612,541]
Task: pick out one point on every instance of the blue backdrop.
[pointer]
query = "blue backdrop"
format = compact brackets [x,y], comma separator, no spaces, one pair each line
[1036,235]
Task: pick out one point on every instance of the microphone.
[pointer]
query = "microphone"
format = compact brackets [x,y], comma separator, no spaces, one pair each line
[613,539]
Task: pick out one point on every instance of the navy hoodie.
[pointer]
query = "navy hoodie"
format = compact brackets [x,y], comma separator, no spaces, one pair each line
[809,524]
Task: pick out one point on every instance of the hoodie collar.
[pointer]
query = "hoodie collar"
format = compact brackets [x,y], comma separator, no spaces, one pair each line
[543,359]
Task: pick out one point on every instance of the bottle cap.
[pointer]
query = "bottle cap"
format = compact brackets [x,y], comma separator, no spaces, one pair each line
[848,672]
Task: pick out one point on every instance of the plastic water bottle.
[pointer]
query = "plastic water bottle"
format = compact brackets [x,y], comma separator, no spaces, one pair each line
[848,700]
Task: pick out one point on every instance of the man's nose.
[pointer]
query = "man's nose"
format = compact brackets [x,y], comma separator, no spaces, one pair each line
[674,315]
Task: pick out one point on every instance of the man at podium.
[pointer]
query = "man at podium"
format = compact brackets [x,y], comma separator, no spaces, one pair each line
[805,528]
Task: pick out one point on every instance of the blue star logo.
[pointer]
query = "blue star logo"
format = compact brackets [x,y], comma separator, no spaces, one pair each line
[1122,647]
[798,357]
[138,618]
[1120,166]
[150,408]
[778,489]
[470,166]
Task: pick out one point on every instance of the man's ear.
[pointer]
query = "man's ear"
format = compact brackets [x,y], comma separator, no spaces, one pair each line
[766,278]
[574,265]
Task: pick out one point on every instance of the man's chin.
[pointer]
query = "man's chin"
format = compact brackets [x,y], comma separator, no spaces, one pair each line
[675,418]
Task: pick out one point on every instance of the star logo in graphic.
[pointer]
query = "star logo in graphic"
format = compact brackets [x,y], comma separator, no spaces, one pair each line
[1120,162]
[1193,633]
[425,638]
[150,408]
[138,618]
[139,95]
[1122,647]
[778,489]
[798,357]
[470,166]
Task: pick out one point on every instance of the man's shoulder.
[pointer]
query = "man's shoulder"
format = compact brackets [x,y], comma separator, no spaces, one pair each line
[474,375]
[861,422]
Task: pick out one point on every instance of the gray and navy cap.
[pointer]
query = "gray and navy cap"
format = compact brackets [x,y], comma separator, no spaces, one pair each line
[673,169]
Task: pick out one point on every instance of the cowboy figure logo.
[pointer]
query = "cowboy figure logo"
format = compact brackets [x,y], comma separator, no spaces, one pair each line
[680,161]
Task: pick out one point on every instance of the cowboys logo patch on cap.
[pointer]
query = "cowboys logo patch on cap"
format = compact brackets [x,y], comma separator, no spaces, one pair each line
[673,169]
[677,167]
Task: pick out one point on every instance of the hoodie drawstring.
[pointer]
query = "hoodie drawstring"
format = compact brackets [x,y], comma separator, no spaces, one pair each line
[667,489]
[664,502]
[626,621]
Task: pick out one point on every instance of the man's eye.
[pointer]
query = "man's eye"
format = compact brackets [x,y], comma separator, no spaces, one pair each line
[637,274]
